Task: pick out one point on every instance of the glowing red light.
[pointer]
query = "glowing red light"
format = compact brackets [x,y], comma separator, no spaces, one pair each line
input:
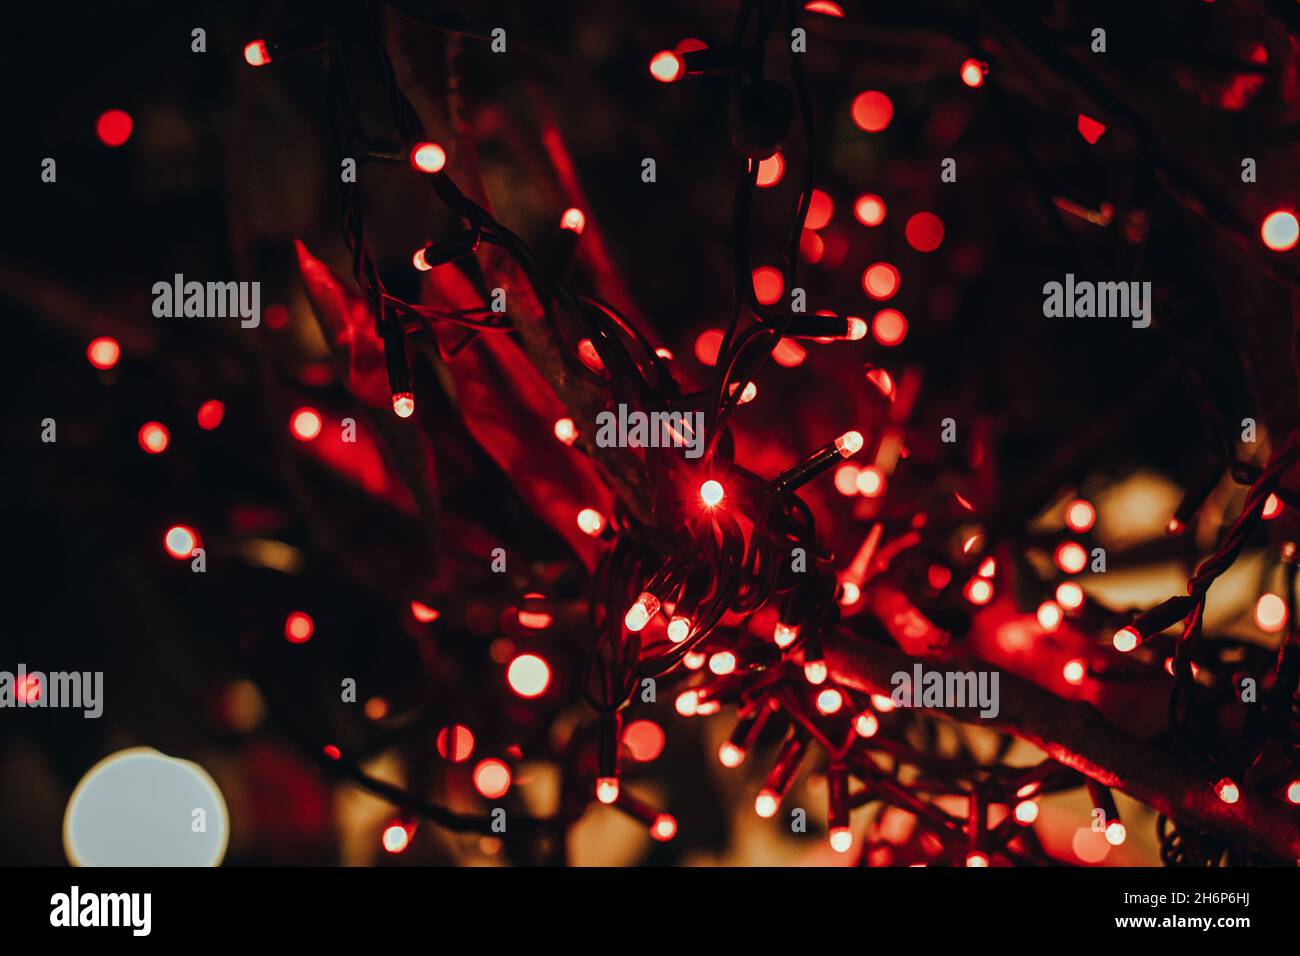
[870,482]
[768,284]
[529,675]
[418,260]
[113,127]
[1069,595]
[815,672]
[566,431]
[423,613]
[707,345]
[1074,671]
[938,576]
[712,493]
[1272,507]
[849,444]
[687,703]
[607,789]
[666,66]
[298,627]
[1280,230]
[29,689]
[642,610]
[765,803]
[722,663]
[180,541]
[305,424]
[428,157]
[573,220]
[830,701]
[1227,790]
[880,280]
[924,232]
[589,356]
[1116,833]
[644,740]
[789,353]
[455,743]
[846,479]
[664,827]
[978,591]
[841,839]
[883,381]
[491,778]
[1070,557]
[153,437]
[1270,613]
[866,724]
[1049,615]
[889,327]
[770,170]
[729,755]
[403,404]
[1080,515]
[872,111]
[329,750]
[826,8]
[396,838]
[1026,812]
[1126,639]
[679,628]
[256,54]
[103,352]
[591,521]
[869,210]
[1293,791]
[1090,129]
[976,858]
[783,635]
[210,414]
[820,210]
[972,72]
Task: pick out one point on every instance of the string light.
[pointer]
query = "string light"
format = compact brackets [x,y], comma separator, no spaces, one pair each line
[880,280]
[712,493]
[114,128]
[404,404]
[1280,230]
[298,627]
[256,53]
[1069,595]
[210,414]
[305,424]
[973,72]
[529,676]
[428,157]
[566,431]
[1070,557]
[872,111]
[574,220]
[1270,613]
[180,541]
[666,66]
[889,327]
[153,437]
[103,352]
[869,209]
[491,778]
[1080,515]
[591,522]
